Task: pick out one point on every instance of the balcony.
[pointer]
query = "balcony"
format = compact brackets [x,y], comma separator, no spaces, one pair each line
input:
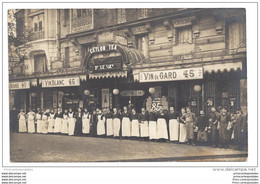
[37,35]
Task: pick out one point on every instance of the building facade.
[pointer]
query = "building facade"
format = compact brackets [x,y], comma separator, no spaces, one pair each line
[153,58]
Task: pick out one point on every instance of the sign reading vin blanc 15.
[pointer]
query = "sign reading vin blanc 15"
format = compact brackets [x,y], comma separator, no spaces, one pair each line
[72,81]
[171,75]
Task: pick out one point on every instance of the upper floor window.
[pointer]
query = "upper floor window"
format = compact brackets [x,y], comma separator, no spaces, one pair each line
[66,17]
[121,15]
[40,63]
[38,22]
[142,44]
[184,35]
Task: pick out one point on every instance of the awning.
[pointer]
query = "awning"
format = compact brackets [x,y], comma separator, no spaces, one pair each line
[223,67]
[108,75]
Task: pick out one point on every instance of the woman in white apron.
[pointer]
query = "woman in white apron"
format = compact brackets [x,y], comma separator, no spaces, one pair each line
[126,124]
[86,122]
[72,122]
[109,123]
[144,127]
[152,125]
[44,124]
[116,123]
[31,121]
[58,119]
[135,133]
[101,130]
[64,122]
[51,122]
[173,125]
[183,130]
[39,121]
[22,121]
[162,132]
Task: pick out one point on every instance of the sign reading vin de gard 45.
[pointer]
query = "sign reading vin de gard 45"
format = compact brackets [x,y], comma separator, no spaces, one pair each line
[171,75]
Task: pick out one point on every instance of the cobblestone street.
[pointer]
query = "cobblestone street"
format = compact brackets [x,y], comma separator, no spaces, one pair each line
[59,148]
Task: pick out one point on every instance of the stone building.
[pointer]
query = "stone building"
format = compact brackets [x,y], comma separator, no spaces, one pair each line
[153,58]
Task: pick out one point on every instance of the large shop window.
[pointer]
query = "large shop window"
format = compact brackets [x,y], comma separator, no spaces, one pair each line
[184,35]
[40,63]
[236,34]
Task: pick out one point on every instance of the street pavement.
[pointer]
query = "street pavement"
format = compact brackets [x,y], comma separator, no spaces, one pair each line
[60,148]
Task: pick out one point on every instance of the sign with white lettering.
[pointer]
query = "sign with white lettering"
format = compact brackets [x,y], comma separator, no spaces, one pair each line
[121,40]
[171,75]
[103,48]
[19,85]
[61,82]
[132,93]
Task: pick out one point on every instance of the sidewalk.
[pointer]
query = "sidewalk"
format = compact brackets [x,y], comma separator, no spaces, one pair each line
[59,148]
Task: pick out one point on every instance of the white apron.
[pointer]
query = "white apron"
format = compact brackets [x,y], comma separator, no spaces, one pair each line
[109,127]
[174,130]
[162,132]
[51,123]
[101,130]
[64,124]
[86,123]
[135,128]
[44,124]
[39,123]
[153,130]
[183,133]
[144,129]
[31,124]
[72,122]
[116,127]
[22,124]
[57,126]
[126,127]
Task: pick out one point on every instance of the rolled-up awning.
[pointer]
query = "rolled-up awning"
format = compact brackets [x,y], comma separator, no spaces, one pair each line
[223,67]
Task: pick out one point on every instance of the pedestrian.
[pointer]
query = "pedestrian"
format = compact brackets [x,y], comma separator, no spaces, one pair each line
[162,131]
[93,123]
[44,124]
[173,117]
[86,122]
[239,130]
[213,120]
[116,123]
[126,125]
[64,122]
[31,121]
[183,129]
[101,130]
[78,125]
[144,126]
[58,121]
[71,121]
[189,121]
[22,121]
[202,123]
[39,121]
[51,125]
[224,130]
[109,123]
[135,132]
[153,125]
[13,120]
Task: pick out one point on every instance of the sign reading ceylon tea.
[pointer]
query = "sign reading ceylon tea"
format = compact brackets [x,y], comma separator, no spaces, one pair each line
[60,82]
[19,85]
[171,75]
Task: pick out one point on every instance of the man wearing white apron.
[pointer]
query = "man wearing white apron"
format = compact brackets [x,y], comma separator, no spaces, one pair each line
[126,126]
[173,125]
[86,122]
[101,130]
[31,121]
[64,122]
[22,121]
[183,130]
[45,122]
[152,126]
[58,119]
[144,127]
[109,123]
[39,121]
[51,122]
[162,131]
[72,122]
[116,123]
[135,132]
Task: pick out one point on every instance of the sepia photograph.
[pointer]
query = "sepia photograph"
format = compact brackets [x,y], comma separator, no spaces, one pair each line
[128,85]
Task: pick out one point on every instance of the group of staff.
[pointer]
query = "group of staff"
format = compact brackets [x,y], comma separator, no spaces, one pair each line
[183,127]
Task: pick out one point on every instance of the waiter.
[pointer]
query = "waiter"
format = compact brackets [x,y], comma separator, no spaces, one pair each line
[213,120]
[144,127]
[126,125]
[224,133]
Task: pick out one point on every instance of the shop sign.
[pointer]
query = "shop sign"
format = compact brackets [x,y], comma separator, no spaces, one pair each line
[19,85]
[139,30]
[156,104]
[171,75]
[60,82]
[121,40]
[132,93]
[103,48]
[193,102]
